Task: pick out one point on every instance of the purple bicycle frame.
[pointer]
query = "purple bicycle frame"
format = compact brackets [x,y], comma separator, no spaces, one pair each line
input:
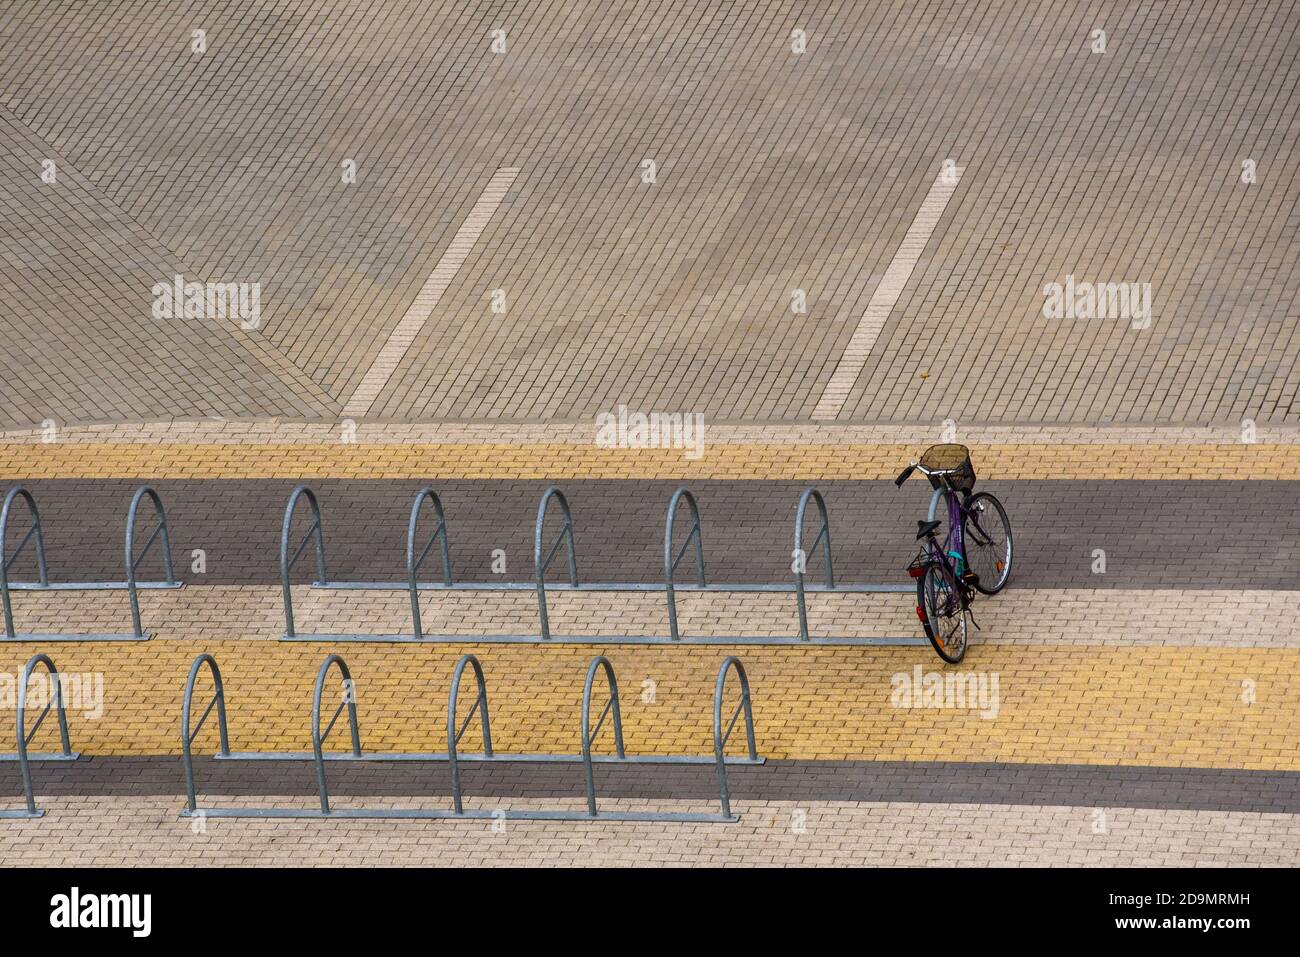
[953,539]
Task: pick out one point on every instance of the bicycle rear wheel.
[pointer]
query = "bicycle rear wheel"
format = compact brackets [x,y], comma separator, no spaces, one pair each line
[939,604]
[986,534]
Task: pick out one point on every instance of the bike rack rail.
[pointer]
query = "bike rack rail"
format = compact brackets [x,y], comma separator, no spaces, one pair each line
[454,757]
[133,559]
[23,756]
[543,556]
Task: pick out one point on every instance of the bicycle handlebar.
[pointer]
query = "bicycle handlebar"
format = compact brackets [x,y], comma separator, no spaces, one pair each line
[918,467]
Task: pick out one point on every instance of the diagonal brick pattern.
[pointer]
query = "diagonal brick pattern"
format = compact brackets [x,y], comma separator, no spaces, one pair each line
[776,171]
[426,300]
[81,342]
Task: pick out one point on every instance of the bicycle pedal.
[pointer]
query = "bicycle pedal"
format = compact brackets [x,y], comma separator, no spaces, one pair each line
[970,579]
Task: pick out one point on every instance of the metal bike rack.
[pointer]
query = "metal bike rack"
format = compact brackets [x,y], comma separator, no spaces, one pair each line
[413,563]
[671,563]
[454,757]
[349,701]
[589,734]
[801,555]
[540,565]
[542,559]
[23,756]
[453,735]
[314,533]
[133,559]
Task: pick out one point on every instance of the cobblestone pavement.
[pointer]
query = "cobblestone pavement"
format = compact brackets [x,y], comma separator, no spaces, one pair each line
[774,171]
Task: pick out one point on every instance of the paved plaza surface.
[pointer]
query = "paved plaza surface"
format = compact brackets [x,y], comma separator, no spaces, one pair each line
[825,236]
[774,172]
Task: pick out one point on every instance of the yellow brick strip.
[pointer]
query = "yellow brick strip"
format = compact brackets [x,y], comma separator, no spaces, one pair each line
[1181,707]
[559,461]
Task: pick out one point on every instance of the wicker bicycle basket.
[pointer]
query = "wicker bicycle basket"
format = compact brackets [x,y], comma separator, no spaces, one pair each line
[953,461]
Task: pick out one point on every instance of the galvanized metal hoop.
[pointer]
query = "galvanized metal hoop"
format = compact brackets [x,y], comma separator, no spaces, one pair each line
[133,560]
[671,561]
[588,733]
[317,735]
[187,736]
[24,736]
[720,738]
[540,564]
[314,533]
[7,560]
[801,555]
[413,562]
[453,733]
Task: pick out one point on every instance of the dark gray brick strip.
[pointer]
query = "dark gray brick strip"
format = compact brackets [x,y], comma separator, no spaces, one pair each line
[855,781]
[1185,535]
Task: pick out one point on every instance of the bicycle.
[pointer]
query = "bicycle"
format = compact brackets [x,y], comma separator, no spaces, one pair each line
[949,575]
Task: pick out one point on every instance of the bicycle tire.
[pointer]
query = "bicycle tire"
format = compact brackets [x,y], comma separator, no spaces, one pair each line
[938,583]
[1001,563]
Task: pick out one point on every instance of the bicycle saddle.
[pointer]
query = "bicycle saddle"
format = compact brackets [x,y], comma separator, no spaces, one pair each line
[925,528]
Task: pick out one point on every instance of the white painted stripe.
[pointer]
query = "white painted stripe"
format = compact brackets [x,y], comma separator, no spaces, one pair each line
[390,356]
[886,296]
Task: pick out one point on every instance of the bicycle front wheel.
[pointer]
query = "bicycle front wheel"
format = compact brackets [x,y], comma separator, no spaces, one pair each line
[986,534]
[943,616]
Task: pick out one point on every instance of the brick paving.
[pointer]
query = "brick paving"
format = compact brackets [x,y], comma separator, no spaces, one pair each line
[1019,617]
[792,813]
[279,432]
[773,461]
[148,831]
[224,783]
[776,171]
